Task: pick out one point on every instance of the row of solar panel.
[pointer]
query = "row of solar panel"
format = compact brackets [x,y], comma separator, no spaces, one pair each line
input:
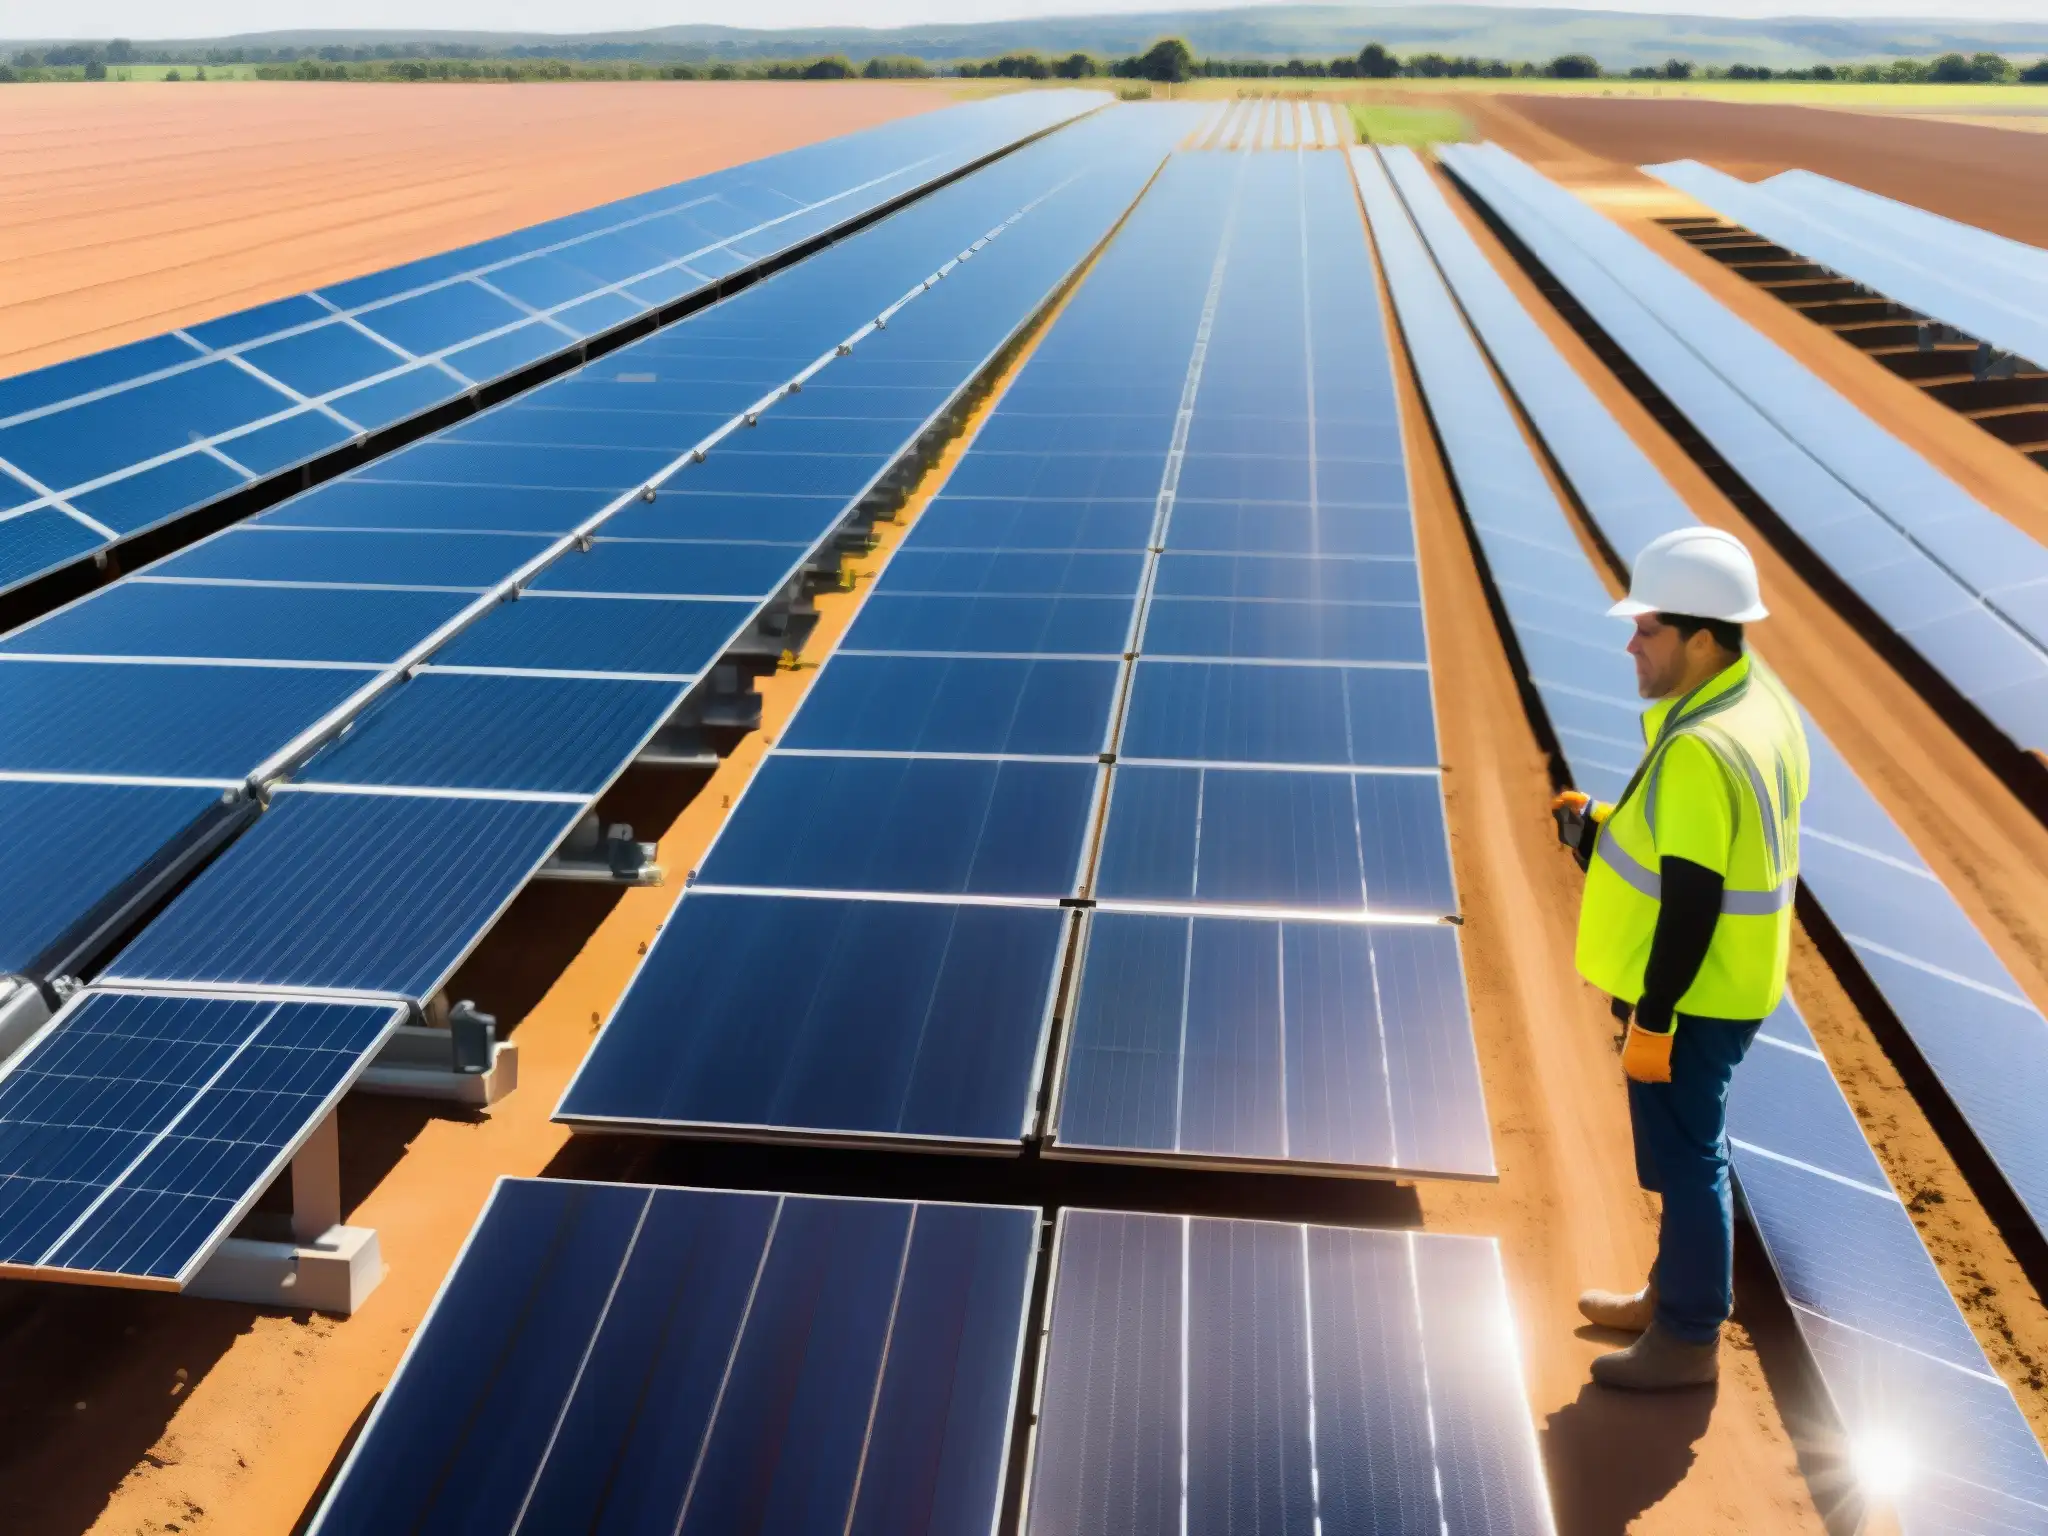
[1942,285]
[1961,585]
[104,447]
[323,601]
[1255,123]
[1913,940]
[1867,1297]
[626,1358]
[384,862]
[1928,238]
[1269,770]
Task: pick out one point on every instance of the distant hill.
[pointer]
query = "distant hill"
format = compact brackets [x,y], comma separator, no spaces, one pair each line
[1273,32]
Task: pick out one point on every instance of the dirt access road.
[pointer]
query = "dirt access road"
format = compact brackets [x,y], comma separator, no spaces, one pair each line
[134,208]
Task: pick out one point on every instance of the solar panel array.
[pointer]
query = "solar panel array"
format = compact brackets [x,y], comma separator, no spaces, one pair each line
[1183,513]
[286,629]
[1072,714]
[1894,1351]
[1209,1375]
[377,869]
[1959,584]
[1941,282]
[1256,122]
[102,448]
[1915,230]
[137,1129]
[614,1357]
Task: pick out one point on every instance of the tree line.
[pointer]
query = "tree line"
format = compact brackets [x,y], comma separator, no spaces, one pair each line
[1168,61]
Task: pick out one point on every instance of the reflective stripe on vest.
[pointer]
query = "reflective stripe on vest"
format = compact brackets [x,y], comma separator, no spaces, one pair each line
[1651,884]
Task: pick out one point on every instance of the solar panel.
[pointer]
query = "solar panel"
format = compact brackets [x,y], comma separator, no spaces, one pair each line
[1205,1374]
[351,892]
[136,1129]
[1916,228]
[182,722]
[1942,284]
[1865,1294]
[80,854]
[953,751]
[1954,580]
[865,1021]
[110,445]
[618,1357]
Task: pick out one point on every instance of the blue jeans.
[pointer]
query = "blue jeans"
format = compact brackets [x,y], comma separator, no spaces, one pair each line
[1681,1136]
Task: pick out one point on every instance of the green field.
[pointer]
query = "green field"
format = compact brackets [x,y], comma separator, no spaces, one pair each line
[1408,125]
[184,71]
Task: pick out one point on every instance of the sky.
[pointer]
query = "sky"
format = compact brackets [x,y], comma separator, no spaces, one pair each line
[218,18]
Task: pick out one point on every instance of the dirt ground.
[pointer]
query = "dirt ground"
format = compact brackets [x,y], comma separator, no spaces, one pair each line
[135,208]
[1988,176]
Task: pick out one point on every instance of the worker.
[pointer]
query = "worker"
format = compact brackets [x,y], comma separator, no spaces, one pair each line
[1686,922]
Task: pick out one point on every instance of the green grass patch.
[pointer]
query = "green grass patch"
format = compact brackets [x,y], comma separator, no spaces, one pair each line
[1408,125]
[183,71]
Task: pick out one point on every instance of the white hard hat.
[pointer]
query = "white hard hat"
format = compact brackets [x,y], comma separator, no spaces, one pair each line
[1702,572]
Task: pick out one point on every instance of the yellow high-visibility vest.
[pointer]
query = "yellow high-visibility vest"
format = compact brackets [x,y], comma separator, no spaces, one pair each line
[1721,785]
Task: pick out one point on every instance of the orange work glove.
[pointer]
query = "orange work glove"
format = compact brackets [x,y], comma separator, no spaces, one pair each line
[1646,1054]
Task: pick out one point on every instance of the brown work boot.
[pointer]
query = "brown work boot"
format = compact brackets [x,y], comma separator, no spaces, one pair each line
[1618,1310]
[1658,1362]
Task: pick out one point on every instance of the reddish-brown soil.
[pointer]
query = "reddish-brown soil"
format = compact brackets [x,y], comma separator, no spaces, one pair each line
[1986,176]
[130,209]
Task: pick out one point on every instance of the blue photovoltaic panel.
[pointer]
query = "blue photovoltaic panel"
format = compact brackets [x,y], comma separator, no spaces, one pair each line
[1241,837]
[950,523]
[386,506]
[803,1017]
[470,561]
[1205,1375]
[1245,1043]
[162,427]
[656,568]
[365,626]
[71,849]
[1868,1300]
[936,826]
[626,635]
[136,1128]
[615,1357]
[201,722]
[1043,626]
[1000,706]
[1365,717]
[444,730]
[1024,574]
[350,892]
